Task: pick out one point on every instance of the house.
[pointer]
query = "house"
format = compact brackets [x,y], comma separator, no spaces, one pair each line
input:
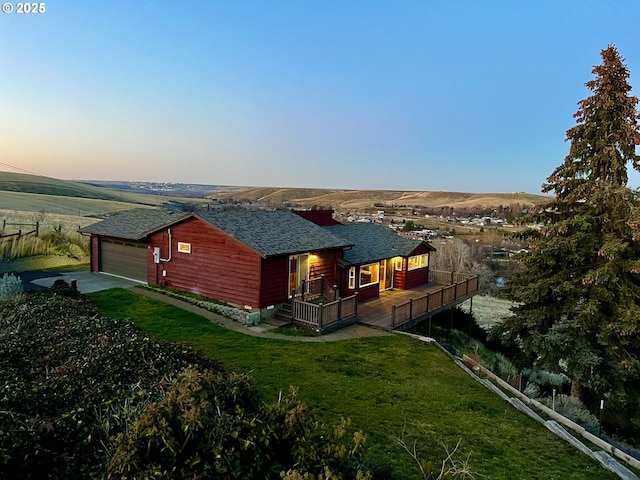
[380,260]
[248,258]
[261,259]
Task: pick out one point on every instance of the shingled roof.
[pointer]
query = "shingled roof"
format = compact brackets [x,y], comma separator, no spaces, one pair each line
[135,224]
[373,242]
[272,233]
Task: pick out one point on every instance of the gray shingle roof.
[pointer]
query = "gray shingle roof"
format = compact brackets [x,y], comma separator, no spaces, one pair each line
[135,224]
[269,233]
[373,242]
[272,233]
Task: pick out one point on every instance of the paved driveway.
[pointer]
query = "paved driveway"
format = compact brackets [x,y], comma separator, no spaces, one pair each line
[87,281]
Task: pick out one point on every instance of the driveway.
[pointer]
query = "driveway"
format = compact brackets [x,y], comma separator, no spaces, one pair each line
[87,281]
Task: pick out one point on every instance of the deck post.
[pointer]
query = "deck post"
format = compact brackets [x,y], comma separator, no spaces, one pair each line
[320,316]
[336,296]
[410,308]
[393,316]
[355,306]
[303,289]
[340,310]
[450,321]
[452,273]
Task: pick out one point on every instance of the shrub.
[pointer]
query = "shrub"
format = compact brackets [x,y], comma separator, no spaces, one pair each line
[212,425]
[10,286]
[85,396]
[574,409]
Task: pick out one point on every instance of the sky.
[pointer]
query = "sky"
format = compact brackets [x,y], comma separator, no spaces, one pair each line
[458,95]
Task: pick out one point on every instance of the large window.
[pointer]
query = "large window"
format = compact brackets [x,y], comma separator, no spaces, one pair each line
[418,261]
[352,278]
[369,274]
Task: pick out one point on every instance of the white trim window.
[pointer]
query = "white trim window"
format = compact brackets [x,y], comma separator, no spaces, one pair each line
[419,261]
[352,278]
[369,274]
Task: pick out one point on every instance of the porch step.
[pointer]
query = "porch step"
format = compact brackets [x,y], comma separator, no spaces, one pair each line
[284,312]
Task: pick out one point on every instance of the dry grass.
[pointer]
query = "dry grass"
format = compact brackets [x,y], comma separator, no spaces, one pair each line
[34,202]
[488,311]
[48,221]
[367,198]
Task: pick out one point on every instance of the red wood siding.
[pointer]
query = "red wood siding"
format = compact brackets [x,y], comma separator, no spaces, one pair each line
[368,292]
[218,266]
[413,278]
[95,254]
[275,281]
[416,278]
[364,293]
[324,218]
[324,263]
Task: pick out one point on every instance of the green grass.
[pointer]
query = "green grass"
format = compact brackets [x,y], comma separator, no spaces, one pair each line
[382,384]
[294,331]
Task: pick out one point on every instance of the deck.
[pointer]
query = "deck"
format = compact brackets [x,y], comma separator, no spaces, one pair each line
[428,301]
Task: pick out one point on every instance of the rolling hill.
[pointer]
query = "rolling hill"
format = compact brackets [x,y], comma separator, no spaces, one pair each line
[32,193]
[367,198]
[35,193]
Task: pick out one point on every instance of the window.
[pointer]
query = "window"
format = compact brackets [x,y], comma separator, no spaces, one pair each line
[419,261]
[397,264]
[352,278]
[369,274]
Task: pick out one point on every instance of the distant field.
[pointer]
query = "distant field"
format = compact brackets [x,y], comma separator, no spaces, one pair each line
[367,198]
[51,188]
[33,202]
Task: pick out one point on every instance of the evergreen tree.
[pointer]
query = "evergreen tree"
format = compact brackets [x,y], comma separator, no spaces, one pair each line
[578,292]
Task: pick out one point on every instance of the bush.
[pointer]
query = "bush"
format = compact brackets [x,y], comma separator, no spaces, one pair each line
[85,396]
[212,425]
[10,286]
[573,409]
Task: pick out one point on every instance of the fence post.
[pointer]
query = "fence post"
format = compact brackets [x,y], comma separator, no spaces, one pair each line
[4,225]
[38,228]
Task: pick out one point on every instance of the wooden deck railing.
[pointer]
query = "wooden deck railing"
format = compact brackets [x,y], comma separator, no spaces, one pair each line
[457,286]
[316,287]
[320,316]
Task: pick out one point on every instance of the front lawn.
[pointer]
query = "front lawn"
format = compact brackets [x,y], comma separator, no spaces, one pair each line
[383,384]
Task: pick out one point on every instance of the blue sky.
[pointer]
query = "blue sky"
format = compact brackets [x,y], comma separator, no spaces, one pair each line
[413,95]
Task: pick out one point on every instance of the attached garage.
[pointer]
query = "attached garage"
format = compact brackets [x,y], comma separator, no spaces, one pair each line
[124,258]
